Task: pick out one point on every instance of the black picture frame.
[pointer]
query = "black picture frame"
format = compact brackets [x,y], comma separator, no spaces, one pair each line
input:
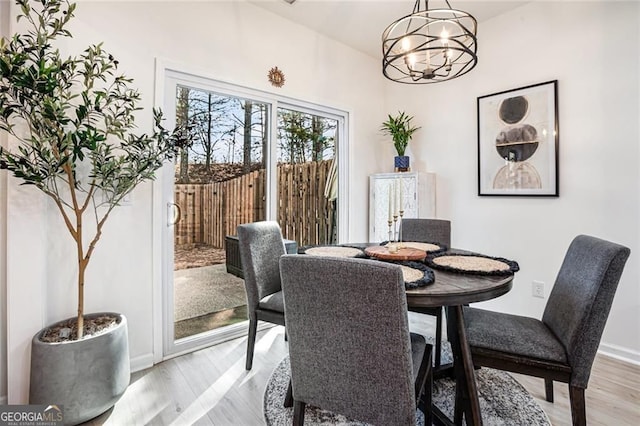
[518,139]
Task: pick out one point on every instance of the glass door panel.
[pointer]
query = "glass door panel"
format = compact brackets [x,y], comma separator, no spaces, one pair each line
[307,176]
[219,183]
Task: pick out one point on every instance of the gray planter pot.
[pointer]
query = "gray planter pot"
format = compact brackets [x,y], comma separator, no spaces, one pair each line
[85,376]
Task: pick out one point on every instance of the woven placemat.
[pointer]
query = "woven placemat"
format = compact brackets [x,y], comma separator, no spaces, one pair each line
[478,264]
[427,247]
[332,251]
[416,274]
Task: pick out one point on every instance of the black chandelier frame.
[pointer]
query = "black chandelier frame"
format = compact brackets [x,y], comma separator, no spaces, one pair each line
[413,54]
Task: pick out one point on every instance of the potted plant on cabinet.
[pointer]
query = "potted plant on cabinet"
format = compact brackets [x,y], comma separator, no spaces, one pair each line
[72,122]
[401,131]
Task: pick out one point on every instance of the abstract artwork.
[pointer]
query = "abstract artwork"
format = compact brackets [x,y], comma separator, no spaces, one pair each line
[518,141]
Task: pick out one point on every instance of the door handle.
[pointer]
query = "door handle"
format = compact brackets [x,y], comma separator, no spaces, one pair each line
[174,212]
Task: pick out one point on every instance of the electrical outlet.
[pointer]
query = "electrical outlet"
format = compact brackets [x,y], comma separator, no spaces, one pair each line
[537,289]
[126,200]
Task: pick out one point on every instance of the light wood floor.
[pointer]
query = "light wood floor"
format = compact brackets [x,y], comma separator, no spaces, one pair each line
[211,387]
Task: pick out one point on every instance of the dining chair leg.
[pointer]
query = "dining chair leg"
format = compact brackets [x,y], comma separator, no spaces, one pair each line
[298,413]
[458,409]
[438,353]
[459,406]
[424,384]
[288,399]
[578,410]
[251,342]
[428,397]
[548,389]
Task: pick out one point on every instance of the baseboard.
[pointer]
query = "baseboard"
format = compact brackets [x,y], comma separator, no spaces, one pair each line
[620,353]
[141,362]
[612,351]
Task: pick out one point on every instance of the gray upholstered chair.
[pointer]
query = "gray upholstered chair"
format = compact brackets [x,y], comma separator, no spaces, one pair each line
[349,343]
[563,345]
[429,231]
[261,245]
[426,231]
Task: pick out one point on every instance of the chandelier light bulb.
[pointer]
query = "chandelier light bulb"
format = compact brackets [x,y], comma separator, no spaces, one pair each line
[412,60]
[444,36]
[406,44]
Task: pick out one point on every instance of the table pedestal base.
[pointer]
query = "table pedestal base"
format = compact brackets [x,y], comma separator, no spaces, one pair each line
[467,405]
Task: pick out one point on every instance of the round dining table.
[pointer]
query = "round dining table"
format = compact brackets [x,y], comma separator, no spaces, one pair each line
[452,291]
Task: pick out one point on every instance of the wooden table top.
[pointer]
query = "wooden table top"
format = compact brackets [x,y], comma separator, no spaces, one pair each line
[450,289]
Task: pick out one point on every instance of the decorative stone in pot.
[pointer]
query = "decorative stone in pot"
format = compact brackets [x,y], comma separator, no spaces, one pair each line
[87,376]
[401,163]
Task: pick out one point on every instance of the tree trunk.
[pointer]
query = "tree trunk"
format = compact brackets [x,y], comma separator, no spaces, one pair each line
[182,113]
[82,266]
[246,160]
[183,177]
[209,144]
[265,140]
[316,138]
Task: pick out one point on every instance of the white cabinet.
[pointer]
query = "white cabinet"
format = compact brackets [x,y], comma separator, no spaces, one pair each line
[418,199]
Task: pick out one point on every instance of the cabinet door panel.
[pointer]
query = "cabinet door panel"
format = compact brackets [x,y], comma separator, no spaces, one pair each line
[386,191]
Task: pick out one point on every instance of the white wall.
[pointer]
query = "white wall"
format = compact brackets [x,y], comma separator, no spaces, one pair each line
[592,49]
[230,41]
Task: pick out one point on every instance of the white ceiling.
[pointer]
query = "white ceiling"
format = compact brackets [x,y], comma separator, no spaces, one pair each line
[360,23]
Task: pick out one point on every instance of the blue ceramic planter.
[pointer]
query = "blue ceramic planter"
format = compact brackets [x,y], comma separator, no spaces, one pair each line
[402,163]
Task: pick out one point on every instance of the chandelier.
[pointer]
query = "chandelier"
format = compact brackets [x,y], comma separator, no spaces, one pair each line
[430,45]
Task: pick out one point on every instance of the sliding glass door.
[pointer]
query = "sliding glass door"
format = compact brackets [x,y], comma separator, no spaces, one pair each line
[248,156]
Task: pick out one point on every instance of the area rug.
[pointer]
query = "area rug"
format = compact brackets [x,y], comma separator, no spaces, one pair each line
[503,401]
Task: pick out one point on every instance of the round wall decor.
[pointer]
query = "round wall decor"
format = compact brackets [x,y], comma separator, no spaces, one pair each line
[276,77]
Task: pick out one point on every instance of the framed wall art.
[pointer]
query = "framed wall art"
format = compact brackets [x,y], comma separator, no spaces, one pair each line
[518,141]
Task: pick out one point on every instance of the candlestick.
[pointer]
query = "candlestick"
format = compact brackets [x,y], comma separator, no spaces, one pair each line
[390,201]
[401,195]
[389,222]
[395,198]
[395,222]
[400,231]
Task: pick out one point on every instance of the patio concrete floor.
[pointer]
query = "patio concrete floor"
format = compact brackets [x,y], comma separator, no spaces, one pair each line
[204,290]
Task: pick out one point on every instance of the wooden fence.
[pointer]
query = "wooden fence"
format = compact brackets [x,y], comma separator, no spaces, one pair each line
[209,212]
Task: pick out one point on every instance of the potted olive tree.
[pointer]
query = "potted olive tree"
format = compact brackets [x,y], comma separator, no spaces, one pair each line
[72,122]
[401,131]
